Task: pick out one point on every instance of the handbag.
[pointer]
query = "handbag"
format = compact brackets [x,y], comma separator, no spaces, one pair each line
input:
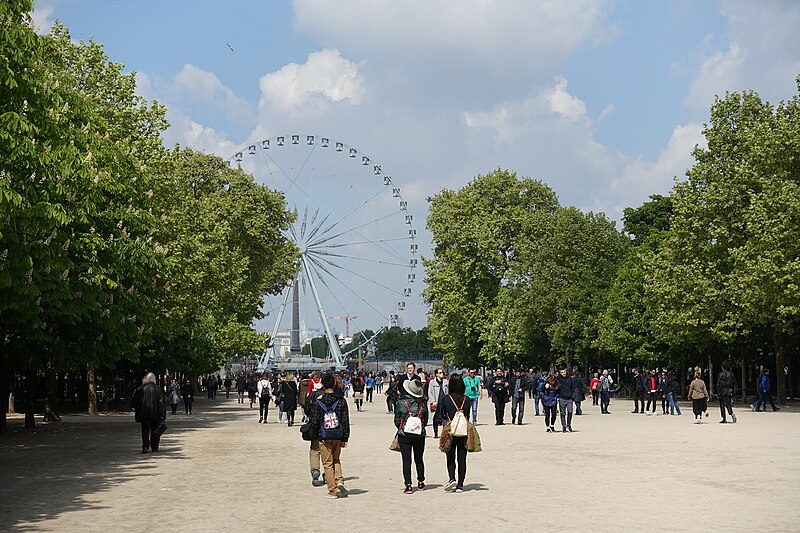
[305,431]
[473,439]
[395,445]
[160,429]
[446,439]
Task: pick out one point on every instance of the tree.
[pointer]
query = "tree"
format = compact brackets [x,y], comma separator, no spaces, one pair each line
[475,231]
[557,285]
[730,263]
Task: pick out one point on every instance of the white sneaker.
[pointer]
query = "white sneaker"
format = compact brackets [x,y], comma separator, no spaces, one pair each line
[330,496]
[450,485]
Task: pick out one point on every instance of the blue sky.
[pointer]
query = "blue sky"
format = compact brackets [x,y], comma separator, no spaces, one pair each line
[602,100]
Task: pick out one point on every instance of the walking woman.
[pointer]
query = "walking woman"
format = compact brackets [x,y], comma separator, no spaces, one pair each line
[550,401]
[174,395]
[358,391]
[410,419]
[593,386]
[699,396]
[264,397]
[289,389]
[187,392]
[252,389]
[673,394]
[451,404]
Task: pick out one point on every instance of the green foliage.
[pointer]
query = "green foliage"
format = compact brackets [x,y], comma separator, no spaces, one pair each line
[651,217]
[475,234]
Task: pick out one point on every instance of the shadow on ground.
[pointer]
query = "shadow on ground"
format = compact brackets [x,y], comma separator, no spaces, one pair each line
[57,467]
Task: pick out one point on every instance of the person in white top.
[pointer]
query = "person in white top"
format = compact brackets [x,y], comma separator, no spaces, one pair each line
[264,396]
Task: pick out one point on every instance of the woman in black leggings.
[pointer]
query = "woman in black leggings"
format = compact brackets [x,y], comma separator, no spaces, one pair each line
[458,450]
[550,401]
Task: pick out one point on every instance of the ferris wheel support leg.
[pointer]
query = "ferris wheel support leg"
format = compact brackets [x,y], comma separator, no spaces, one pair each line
[333,344]
[263,362]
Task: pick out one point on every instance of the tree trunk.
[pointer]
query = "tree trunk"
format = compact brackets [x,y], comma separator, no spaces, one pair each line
[683,375]
[710,374]
[30,399]
[744,378]
[91,388]
[51,403]
[4,397]
[780,373]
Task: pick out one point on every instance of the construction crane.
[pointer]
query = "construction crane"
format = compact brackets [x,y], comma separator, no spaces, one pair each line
[347,319]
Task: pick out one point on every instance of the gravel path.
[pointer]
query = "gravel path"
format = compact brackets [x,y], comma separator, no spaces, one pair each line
[220,470]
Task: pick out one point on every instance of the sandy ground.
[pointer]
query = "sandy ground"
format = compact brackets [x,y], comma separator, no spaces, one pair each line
[220,470]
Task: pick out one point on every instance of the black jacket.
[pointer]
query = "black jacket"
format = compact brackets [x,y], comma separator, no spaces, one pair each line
[316,412]
[638,383]
[450,406]
[501,390]
[523,384]
[148,402]
[566,387]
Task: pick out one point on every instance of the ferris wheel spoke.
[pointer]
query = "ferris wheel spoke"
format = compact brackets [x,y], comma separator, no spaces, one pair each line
[346,286]
[353,211]
[343,196]
[370,241]
[291,178]
[365,224]
[362,276]
[380,261]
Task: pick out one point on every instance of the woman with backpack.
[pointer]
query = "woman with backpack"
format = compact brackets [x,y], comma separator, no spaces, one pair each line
[550,394]
[454,403]
[410,419]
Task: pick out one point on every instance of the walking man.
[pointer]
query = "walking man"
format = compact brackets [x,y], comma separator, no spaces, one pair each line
[651,388]
[500,395]
[472,383]
[604,386]
[566,391]
[518,397]
[241,386]
[765,392]
[148,403]
[638,391]
[438,389]
[330,417]
[726,388]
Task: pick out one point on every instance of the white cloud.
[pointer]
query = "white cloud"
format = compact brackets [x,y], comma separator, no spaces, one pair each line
[196,85]
[565,104]
[761,53]
[42,15]
[641,178]
[495,34]
[188,133]
[325,78]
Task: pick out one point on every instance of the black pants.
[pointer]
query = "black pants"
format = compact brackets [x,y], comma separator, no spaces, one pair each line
[290,418]
[149,438]
[605,399]
[726,404]
[369,395]
[407,446]
[517,403]
[457,450]
[499,409]
[390,403]
[549,415]
[263,408]
[664,404]
[652,399]
[595,396]
[638,397]
[174,407]
[187,404]
[437,420]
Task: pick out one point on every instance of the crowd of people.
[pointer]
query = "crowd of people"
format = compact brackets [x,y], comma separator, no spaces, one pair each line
[446,403]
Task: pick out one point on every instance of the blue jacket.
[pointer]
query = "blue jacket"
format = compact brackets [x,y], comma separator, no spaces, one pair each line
[550,396]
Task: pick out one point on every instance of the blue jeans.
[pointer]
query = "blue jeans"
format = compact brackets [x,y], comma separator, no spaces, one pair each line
[605,399]
[673,404]
[536,403]
[474,408]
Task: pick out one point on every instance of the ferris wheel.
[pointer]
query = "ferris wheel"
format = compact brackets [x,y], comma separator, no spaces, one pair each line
[355,234]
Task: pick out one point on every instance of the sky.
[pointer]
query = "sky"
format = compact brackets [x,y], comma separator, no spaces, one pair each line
[602,100]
